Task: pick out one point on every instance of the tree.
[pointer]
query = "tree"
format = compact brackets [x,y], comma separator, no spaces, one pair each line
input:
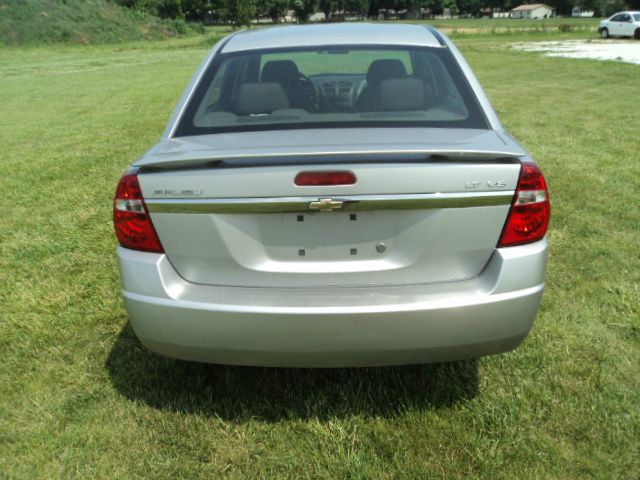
[275,9]
[149,6]
[241,12]
[469,6]
[304,8]
[609,8]
[327,7]
[170,9]
[196,10]
[357,6]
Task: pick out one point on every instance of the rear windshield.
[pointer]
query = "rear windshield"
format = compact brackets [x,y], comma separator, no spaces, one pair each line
[335,87]
[636,17]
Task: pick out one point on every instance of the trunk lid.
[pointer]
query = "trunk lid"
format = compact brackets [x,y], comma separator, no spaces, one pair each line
[227,210]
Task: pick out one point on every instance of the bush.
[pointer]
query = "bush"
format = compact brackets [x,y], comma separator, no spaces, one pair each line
[565,27]
[196,27]
[179,26]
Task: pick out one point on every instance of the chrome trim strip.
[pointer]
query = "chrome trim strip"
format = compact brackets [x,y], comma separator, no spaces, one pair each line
[350,203]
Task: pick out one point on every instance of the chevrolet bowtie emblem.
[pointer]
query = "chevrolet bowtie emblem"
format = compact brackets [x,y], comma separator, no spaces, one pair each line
[325,205]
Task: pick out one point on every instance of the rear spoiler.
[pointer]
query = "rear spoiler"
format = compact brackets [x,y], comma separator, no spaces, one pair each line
[245,161]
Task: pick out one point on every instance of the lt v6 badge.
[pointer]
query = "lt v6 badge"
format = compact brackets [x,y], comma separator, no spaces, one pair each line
[490,184]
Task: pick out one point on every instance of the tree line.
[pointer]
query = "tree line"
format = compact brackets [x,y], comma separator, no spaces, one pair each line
[242,12]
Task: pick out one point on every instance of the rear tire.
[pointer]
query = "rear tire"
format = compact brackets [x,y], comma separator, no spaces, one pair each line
[636,34]
[604,33]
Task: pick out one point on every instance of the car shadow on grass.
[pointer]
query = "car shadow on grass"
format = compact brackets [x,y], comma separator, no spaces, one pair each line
[272,394]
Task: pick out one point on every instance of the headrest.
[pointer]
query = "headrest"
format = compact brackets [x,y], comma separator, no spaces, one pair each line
[280,71]
[385,69]
[401,95]
[257,98]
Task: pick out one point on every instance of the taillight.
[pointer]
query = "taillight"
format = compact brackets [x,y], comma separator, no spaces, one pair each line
[314,179]
[529,216]
[130,217]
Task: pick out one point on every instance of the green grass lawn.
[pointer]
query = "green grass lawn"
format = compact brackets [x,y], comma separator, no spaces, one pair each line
[81,398]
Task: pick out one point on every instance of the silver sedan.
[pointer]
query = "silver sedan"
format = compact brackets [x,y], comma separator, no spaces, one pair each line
[333,195]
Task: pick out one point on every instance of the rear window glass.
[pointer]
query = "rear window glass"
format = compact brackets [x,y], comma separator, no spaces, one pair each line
[330,88]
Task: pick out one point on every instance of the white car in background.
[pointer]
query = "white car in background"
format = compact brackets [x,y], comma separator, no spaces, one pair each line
[622,24]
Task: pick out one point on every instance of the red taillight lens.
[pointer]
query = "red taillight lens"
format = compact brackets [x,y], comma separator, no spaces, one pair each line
[313,179]
[529,216]
[130,218]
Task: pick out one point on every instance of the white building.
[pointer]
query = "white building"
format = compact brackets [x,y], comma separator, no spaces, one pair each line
[536,10]
[578,12]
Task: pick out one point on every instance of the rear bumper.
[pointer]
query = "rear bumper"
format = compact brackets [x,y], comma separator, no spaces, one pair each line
[331,327]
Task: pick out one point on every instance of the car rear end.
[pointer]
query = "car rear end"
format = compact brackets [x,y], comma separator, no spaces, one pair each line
[339,244]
